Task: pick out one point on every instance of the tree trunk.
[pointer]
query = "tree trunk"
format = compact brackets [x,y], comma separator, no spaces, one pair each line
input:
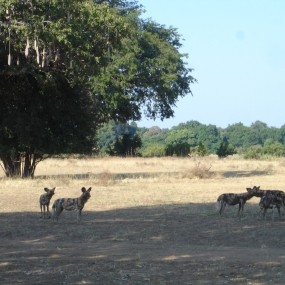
[11,165]
[29,165]
[21,165]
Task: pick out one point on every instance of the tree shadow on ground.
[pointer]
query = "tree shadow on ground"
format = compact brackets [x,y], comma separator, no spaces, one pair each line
[110,175]
[136,175]
[239,173]
[167,244]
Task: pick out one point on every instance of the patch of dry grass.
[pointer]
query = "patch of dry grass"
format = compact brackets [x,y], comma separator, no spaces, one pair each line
[172,181]
[147,219]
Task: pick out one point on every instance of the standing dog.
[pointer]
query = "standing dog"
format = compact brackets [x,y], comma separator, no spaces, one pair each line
[269,201]
[232,199]
[71,204]
[257,192]
[44,202]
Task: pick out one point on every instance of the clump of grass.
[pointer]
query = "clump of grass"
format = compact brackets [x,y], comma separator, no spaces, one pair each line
[105,178]
[201,171]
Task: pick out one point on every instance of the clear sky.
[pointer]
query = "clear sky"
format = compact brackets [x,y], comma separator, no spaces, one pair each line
[237,51]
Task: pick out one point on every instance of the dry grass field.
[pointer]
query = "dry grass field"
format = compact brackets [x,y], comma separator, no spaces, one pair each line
[148,221]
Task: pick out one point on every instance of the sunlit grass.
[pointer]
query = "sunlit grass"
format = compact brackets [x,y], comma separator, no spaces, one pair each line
[142,181]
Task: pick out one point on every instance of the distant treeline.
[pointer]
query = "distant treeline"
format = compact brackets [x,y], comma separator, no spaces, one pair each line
[192,138]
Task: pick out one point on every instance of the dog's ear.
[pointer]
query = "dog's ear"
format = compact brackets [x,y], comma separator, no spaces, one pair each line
[89,189]
[53,189]
[46,189]
[83,189]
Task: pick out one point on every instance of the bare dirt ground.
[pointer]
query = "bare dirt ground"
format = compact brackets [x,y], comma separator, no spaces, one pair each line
[178,241]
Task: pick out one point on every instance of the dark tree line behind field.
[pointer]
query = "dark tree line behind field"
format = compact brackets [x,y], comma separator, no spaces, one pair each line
[192,138]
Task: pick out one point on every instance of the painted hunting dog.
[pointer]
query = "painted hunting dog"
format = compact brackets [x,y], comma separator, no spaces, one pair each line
[44,202]
[71,204]
[257,192]
[233,199]
[269,201]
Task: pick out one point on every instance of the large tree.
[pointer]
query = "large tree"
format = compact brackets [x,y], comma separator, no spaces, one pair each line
[68,66]
[118,139]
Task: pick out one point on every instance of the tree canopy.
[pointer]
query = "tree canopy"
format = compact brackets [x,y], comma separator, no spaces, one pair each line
[67,67]
[196,139]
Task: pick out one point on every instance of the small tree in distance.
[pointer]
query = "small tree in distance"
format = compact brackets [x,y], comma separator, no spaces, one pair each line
[225,150]
[199,150]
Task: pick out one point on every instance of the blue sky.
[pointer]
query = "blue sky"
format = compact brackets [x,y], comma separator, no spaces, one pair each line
[237,51]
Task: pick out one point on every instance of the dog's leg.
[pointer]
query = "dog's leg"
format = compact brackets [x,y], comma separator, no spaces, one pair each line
[223,205]
[41,210]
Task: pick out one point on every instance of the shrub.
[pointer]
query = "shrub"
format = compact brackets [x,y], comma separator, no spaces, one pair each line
[199,150]
[154,150]
[201,170]
[254,152]
[274,149]
[269,150]
[225,149]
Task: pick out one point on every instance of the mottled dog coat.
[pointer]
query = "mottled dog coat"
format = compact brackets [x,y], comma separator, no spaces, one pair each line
[233,199]
[269,199]
[71,204]
[44,202]
[257,192]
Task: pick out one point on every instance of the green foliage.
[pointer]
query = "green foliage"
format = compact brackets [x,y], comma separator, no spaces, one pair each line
[186,137]
[198,133]
[154,135]
[183,140]
[281,135]
[253,152]
[153,141]
[178,142]
[63,33]
[274,149]
[146,73]
[127,145]
[154,150]
[239,135]
[177,149]
[199,150]
[37,122]
[118,139]
[106,138]
[225,150]
[122,65]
